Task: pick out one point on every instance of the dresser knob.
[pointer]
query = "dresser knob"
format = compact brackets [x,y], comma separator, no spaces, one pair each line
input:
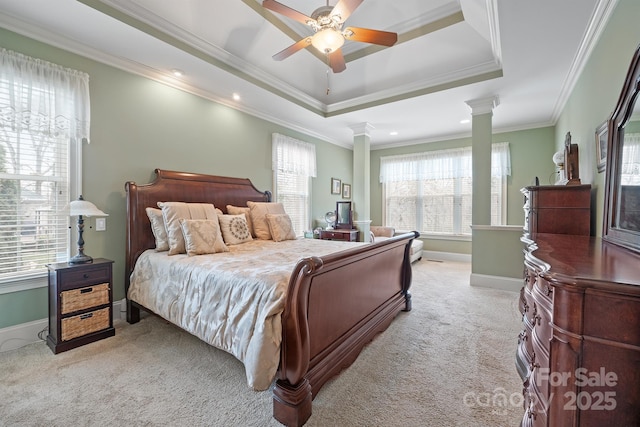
[85,276]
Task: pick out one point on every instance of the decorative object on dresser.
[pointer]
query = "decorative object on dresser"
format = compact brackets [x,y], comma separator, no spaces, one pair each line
[82,208]
[579,351]
[80,304]
[344,216]
[571,163]
[557,209]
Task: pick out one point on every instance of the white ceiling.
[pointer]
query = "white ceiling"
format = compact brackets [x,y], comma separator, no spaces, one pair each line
[526,53]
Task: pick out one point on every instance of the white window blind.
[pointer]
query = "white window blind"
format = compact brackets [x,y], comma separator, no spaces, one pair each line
[432,191]
[294,163]
[44,108]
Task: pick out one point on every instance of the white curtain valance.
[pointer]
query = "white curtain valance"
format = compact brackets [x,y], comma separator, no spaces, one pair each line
[441,164]
[290,155]
[37,96]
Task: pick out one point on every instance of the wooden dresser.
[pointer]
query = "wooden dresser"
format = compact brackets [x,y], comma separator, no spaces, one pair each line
[558,209]
[579,351]
[348,235]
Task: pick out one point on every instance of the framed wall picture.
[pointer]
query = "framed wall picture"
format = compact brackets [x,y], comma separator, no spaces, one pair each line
[346,191]
[335,186]
[602,134]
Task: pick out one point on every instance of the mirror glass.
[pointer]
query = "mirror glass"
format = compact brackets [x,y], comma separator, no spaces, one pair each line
[628,212]
[622,189]
[343,210]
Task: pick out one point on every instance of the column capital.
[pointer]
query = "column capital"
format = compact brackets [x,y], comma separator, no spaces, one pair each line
[483,105]
[362,129]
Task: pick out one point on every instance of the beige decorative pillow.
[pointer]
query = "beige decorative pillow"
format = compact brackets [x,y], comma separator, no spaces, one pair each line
[219,211]
[202,236]
[280,227]
[173,212]
[237,210]
[234,229]
[158,229]
[258,211]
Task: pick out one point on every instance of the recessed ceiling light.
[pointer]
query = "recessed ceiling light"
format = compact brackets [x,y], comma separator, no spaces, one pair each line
[464,121]
[394,133]
[177,73]
[236,97]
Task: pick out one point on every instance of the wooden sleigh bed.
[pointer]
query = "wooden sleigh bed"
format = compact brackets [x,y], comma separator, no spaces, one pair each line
[335,304]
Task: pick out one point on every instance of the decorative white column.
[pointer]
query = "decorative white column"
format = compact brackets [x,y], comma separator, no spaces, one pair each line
[481,138]
[361,187]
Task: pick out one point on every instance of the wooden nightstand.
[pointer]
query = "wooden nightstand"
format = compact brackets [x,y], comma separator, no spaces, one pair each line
[340,234]
[80,304]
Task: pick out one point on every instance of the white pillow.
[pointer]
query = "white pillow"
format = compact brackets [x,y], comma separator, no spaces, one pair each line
[237,210]
[158,229]
[280,227]
[173,212]
[234,229]
[258,211]
[202,236]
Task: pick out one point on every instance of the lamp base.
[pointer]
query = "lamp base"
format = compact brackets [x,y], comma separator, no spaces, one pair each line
[80,259]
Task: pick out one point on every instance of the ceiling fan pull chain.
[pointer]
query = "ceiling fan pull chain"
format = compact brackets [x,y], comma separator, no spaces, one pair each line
[328,85]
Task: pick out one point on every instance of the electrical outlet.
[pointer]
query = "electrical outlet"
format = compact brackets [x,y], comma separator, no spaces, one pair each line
[101,224]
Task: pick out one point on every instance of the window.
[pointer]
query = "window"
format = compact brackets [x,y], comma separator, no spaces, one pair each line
[630,170]
[44,116]
[294,163]
[432,191]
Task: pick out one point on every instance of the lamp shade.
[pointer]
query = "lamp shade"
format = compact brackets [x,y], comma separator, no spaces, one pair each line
[84,208]
[327,40]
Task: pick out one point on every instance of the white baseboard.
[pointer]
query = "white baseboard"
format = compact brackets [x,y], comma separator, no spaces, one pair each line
[445,256]
[496,282]
[23,334]
[17,336]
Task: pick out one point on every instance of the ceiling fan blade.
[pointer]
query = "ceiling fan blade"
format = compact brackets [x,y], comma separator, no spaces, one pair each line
[336,61]
[292,49]
[286,11]
[384,38]
[344,8]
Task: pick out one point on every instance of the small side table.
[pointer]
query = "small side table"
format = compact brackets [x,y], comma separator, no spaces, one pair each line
[340,234]
[80,304]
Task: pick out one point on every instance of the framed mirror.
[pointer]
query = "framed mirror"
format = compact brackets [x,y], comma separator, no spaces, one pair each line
[344,214]
[622,187]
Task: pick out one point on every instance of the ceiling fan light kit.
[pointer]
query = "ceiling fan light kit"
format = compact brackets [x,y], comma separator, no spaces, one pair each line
[327,40]
[326,22]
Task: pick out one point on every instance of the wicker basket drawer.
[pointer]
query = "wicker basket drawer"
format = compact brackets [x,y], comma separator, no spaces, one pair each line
[82,298]
[83,324]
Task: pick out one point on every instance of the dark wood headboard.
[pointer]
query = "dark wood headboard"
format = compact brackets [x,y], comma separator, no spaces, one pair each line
[178,187]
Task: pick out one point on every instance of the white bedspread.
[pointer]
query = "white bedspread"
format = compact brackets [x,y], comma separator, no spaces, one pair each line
[231,300]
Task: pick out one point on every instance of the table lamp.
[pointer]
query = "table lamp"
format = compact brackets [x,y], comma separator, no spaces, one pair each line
[82,208]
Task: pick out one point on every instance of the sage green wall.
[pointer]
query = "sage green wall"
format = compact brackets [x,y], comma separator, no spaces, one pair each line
[139,125]
[596,93]
[531,152]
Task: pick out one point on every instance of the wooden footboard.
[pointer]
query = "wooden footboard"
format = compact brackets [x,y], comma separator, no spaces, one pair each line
[336,304]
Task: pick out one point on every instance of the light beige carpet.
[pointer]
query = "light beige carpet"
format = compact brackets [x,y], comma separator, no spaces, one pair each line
[449,362]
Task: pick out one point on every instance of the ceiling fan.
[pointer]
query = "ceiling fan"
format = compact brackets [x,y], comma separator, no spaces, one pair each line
[326,22]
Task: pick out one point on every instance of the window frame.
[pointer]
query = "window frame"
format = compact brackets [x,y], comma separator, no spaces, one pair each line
[502,188]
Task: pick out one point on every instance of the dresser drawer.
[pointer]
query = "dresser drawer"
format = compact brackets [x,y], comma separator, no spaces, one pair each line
[83,298]
[84,277]
[83,324]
